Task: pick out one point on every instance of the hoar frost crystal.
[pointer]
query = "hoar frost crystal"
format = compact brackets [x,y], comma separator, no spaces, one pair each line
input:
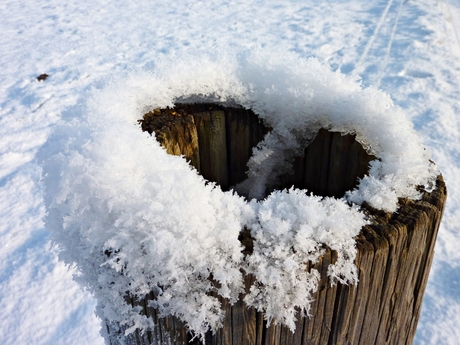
[133,219]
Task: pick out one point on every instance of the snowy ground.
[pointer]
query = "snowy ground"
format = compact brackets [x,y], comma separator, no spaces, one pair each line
[410,49]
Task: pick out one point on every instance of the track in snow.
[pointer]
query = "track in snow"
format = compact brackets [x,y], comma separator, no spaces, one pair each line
[390,44]
[452,21]
[369,44]
[370,62]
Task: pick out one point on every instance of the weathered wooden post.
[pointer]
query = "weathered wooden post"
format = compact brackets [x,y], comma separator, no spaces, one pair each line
[395,251]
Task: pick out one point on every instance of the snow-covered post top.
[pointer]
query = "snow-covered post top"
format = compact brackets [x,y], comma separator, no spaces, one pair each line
[165,251]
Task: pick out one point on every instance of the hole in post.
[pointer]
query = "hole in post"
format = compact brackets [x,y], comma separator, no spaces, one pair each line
[218,142]
[331,165]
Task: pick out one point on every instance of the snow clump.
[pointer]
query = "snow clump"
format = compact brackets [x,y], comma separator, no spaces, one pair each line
[133,219]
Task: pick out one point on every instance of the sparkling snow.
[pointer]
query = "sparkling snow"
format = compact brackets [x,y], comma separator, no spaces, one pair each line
[410,49]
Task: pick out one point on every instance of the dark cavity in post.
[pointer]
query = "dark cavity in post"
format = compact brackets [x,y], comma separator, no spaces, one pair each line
[218,141]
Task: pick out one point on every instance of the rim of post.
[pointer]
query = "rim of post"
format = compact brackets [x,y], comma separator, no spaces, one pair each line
[127,215]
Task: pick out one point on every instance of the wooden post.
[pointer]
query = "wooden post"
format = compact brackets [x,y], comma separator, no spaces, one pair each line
[394,252]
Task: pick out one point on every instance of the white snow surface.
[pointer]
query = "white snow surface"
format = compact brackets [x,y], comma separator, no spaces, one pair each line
[409,49]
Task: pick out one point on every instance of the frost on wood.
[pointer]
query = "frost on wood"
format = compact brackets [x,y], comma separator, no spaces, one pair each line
[136,220]
[290,230]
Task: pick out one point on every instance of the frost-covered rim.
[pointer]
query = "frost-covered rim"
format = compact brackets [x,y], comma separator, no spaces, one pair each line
[103,196]
[296,97]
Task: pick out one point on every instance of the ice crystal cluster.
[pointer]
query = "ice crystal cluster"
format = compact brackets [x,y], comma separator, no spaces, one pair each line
[133,219]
